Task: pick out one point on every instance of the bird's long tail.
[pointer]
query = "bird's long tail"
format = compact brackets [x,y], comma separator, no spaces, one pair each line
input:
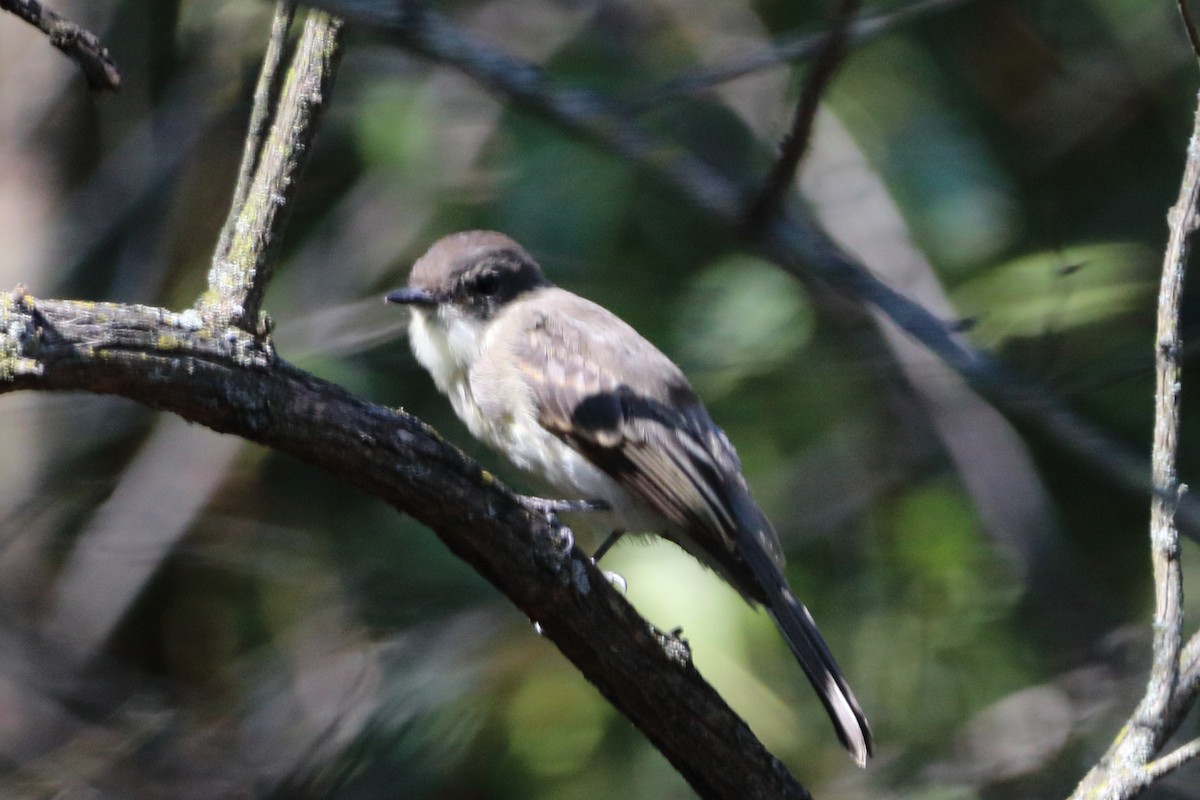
[800,631]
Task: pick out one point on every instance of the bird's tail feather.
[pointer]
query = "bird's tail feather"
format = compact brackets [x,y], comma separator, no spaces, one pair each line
[800,631]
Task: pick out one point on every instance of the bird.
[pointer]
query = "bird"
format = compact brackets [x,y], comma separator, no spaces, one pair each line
[569,392]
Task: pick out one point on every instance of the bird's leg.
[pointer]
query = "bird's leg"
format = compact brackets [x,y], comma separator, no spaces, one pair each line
[606,545]
[616,579]
[550,508]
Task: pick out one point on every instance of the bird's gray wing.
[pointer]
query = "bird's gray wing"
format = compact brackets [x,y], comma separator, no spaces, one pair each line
[614,397]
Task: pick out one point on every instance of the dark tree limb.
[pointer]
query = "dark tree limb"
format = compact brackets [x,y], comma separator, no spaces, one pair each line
[80,45]
[788,50]
[227,379]
[795,142]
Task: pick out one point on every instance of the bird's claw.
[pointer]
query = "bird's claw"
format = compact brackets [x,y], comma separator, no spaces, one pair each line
[550,506]
[615,579]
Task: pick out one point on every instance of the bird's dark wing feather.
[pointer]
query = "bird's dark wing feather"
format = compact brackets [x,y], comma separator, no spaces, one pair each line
[641,424]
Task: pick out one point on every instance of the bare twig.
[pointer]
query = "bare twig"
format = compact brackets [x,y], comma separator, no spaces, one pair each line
[1184,218]
[81,46]
[266,92]
[795,142]
[1189,676]
[227,379]
[797,48]
[1125,769]
[1190,26]
[239,276]
[1172,761]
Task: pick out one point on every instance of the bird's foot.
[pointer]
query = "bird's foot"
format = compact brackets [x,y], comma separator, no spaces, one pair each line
[612,577]
[551,506]
[616,579]
[606,545]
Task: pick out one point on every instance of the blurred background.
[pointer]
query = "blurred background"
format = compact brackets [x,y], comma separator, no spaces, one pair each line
[184,615]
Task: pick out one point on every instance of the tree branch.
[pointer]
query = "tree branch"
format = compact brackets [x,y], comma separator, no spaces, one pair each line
[1189,676]
[1164,766]
[1126,767]
[229,380]
[81,46]
[795,142]
[788,50]
[242,264]
[266,95]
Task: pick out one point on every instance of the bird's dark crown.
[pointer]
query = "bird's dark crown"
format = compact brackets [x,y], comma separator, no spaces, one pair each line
[481,270]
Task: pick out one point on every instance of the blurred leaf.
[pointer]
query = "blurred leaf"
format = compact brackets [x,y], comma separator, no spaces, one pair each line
[1054,291]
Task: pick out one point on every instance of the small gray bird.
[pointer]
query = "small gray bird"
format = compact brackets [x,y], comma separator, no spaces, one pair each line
[567,391]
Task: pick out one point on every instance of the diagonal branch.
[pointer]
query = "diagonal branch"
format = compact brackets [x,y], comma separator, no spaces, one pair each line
[1172,761]
[80,45]
[785,51]
[228,380]
[795,142]
[242,264]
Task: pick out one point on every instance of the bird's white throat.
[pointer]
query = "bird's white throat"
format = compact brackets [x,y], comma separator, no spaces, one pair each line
[446,343]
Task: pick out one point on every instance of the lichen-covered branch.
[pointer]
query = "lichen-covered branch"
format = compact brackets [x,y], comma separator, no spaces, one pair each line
[266,97]
[241,266]
[230,380]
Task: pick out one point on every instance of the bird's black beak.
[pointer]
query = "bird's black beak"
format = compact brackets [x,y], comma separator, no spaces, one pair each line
[411,297]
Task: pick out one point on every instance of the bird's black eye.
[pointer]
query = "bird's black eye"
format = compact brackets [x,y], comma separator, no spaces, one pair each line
[487,284]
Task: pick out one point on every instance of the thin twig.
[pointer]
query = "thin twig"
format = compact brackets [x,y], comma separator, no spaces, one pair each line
[1123,771]
[80,45]
[1189,675]
[795,142]
[237,281]
[1172,761]
[1190,26]
[789,50]
[266,92]
[1184,218]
